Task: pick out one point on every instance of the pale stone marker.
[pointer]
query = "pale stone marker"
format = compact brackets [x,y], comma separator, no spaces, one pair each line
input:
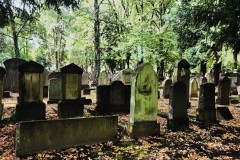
[206,111]
[2,74]
[103,78]
[124,75]
[166,88]
[30,105]
[182,73]
[223,91]
[210,77]
[194,88]
[144,103]
[85,79]
[177,114]
[54,90]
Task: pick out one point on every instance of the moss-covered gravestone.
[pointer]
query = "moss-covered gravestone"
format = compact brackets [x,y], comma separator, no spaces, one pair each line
[54,90]
[182,73]
[2,73]
[103,78]
[206,111]
[124,75]
[223,91]
[194,88]
[30,105]
[144,103]
[166,88]
[177,113]
[72,104]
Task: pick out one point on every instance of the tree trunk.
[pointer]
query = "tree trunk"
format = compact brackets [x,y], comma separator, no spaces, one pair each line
[160,70]
[96,40]
[235,63]
[203,68]
[217,71]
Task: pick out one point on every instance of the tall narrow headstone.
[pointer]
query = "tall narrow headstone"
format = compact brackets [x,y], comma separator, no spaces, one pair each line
[166,88]
[103,78]
[2,73]
[223,91]
[177,114]
[30,105]
[124,75]
[12,74]
[72,104]
[194,88]
[206,111]
[182,73]
[144,103]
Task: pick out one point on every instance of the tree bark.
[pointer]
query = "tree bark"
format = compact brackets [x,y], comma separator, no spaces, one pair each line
[235,63]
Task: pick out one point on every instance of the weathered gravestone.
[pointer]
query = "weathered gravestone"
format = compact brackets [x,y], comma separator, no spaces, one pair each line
[54,90]
[235,77]
[85,79]
[194,88]
[30,105]
[177,114]
[166,88]
[113,98]
[223,91]
[103,78]
[124,75]
[206,111]
[210,77]
[37,136]
[55,74]
[72,104]
[182,73]
[2,73]
[144,103]
[12,74]
[45,83]
[233,88]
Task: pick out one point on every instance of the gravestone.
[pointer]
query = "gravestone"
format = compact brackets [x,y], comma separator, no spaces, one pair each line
[223,113]
[235,76]
[12,74]
[124,75]
[55,74]
[2,74]
[210,77]
[85,79]
[177,113]
[182,73]
[144,103]
[103,78]
[72,104]
[233,88]
[166,88]
[45,83]
[223,91]
[206,111]
[194,88]
[30,105]
[54,90]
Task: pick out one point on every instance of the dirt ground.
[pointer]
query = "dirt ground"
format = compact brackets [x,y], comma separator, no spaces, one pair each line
[219,141]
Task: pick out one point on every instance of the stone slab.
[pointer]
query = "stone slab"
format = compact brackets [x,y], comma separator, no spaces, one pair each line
[36,136]
[223,113]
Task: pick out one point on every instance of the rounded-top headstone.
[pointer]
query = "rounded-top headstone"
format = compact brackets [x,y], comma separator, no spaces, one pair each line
[2,71]
[72,69]
[183,64]
[31,67]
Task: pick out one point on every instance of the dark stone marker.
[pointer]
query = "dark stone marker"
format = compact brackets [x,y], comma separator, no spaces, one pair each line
[166,88]
[223,91]
[55,74]
[30,105]
[102,96]
[12,74]
[2,73]
[206,111]
[54,90]
[72,104]
[177,114]
[223,113]
[37,136]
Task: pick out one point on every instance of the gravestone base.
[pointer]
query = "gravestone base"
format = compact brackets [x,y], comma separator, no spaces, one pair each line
[30,111]
[72,108]
[141,129]
[53,101]
[45,91]
[223,113]
[208,117]
[7,94]
[178,124]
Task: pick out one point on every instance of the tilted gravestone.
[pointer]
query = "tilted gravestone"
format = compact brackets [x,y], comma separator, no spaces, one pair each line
[166,88]
[103,78]
[182,73]
[177,114]
[54,90]
[144,103]
[12,74]
[85,79]
[223,91]
[194,88]
[206,111]
[124,75]
[30,105]
[72,104]
[2,74]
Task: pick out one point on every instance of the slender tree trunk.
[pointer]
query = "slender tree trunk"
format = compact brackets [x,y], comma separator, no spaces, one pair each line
[235,54]
[96,40]
[14,32]
[203,68]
